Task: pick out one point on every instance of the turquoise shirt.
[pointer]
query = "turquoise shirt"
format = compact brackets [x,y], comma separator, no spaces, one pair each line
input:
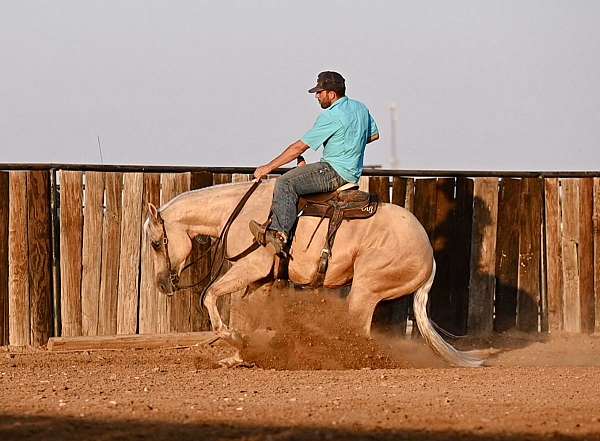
[343,130]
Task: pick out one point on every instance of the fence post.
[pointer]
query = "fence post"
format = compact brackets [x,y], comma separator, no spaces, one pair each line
[148,315]
[530,240]
[586,254]
[483,256]
[39,256]
[18,280]
[554,261]
[111,244]
[569,240]
[71,220]
[129,262]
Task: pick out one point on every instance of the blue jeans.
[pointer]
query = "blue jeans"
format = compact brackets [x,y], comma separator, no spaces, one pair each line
[319,177]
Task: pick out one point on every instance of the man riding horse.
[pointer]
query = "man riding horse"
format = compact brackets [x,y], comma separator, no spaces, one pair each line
[343,129]
[382,252]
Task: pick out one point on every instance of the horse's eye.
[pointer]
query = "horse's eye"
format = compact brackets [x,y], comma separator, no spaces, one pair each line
[156,244]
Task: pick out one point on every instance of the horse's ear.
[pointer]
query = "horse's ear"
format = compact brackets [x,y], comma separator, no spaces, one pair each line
[152,211]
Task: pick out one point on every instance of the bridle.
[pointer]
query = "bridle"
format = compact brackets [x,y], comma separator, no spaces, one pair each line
[217,250]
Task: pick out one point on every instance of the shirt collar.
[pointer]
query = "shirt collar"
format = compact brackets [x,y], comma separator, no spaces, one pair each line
[344,98]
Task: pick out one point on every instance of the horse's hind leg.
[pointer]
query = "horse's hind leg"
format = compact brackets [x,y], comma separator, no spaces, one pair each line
[364,297]
[361,306]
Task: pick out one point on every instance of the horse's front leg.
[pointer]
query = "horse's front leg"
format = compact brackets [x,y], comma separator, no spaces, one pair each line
[239,276]
[219,289]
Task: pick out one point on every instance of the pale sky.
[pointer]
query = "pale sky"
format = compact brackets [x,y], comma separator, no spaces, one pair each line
[478,84]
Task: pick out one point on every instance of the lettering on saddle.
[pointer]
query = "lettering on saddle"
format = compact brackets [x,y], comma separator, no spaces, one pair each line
[336,206]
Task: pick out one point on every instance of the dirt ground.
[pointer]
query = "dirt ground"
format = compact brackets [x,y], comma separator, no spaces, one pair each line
[311,379]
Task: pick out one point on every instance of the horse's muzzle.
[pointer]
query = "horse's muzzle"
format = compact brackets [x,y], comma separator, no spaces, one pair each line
[168,285]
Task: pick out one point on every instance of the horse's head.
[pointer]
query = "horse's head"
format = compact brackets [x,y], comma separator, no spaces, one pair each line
[170,247]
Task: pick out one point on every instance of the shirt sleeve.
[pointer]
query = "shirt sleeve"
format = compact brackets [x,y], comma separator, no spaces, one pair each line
[324,127]
[373,129]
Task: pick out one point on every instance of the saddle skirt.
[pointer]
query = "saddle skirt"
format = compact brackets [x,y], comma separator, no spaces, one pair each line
[351,204]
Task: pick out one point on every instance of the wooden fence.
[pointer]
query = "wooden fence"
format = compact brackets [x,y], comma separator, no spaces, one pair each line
[512,253]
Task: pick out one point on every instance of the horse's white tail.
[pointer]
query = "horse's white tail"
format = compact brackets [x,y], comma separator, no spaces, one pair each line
[435,340]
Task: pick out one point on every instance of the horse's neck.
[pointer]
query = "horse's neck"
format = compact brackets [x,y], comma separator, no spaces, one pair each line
[205,211]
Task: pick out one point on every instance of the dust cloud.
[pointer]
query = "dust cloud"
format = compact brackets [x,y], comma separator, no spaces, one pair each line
[311,329]
[289,329]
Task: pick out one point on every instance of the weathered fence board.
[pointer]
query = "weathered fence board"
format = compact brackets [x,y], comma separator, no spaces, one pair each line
[71,224]
[596,229]
[570,239]
[221,178]
[442,296]
[39,255]
[461,252]
[399,186]
[129,261]
[18,280]
[425,204]
[93,215]
[554,265]
[507,254]
[128,342]
[148,315]
[585,252]
[111,241]
[529,288]
[4,207]
[380,185]
[483,256]
[409,203]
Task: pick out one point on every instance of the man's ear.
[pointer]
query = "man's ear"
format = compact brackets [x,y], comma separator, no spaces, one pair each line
[152,211]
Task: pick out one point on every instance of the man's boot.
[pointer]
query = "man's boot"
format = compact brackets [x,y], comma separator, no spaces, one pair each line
[263,236]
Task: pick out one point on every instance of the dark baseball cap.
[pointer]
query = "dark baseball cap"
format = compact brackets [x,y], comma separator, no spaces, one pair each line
[329,81]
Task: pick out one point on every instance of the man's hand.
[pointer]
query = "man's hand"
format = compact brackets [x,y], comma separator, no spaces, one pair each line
[262,171]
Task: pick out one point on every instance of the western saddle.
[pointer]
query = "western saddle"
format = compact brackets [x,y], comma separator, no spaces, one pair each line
[347,202]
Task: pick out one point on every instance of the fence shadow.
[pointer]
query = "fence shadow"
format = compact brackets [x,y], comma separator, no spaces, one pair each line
[18,427]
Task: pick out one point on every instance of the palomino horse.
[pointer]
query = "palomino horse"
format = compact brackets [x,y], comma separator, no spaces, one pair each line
[384,257]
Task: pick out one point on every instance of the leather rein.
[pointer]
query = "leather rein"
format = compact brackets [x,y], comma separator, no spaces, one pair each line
[217,250]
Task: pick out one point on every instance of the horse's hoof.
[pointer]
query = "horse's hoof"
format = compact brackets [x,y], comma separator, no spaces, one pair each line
[234,361]
[232,337]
